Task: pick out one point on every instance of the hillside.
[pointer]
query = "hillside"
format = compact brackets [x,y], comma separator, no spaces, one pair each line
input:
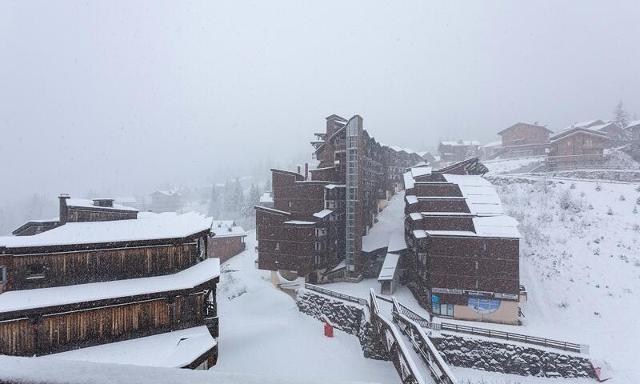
[580,263]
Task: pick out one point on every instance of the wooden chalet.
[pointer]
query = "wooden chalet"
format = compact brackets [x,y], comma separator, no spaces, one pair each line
[228,240]
[465,251]
[577,147]
[90,283]
[524,140]
[458,150]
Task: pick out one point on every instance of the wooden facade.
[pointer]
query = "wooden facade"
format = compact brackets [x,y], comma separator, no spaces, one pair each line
[299,234]
[73,314]
[523,139]
[454,270]
[57,329]
[577,148]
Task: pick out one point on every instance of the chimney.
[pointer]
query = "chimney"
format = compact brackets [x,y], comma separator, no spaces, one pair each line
[63,208]
[306,171]
[299,171]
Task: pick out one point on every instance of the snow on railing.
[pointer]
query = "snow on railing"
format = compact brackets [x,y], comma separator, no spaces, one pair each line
[394,343]
[338,295]
[438,368]
[551,343]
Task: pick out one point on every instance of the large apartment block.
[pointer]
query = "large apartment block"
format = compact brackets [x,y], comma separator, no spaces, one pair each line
[319,216]
[465,250]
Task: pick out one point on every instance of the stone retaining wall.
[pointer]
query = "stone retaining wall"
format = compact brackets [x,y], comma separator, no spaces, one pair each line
[509,358]
[346,317]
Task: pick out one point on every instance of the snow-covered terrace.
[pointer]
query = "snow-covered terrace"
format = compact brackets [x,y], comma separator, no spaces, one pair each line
[82,293]
[175,349]
[148,226]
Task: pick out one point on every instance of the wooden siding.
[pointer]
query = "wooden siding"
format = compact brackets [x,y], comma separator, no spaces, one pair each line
[58,332]
[79,267]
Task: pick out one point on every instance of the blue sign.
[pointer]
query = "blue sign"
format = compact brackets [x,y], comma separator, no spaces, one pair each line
[435,299]
[483,305]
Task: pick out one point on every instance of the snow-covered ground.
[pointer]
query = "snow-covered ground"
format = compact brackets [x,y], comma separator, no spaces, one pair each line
[580,263]
[262,333]
[502,166]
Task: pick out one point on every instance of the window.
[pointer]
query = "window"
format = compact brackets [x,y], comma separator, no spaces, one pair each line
[277,246]
[35,271]
[3,274]
[290,204]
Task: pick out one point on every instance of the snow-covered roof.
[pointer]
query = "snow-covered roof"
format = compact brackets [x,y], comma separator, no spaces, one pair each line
[396,242]
[266,198]
[47,297]
[633,124]
[444,214]
[389,266]
[496,226]
[415,216]
[493,144]
[588,124]
[332,186]
[322,214]
[45,369]
[87,203]
[466,180]
[420,171]
[411,199]
[299,222]
[460,142]
[408,180]
[235,231]
[148,226]
[577,130]
[175,349]
[419,233]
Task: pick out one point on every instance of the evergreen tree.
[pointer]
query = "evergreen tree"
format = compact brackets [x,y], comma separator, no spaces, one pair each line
[620,115]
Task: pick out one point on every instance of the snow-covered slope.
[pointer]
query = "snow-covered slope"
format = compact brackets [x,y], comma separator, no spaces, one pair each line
[262,332]
[580,263]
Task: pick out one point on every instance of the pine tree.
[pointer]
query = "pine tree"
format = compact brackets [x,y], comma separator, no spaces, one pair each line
[620,115]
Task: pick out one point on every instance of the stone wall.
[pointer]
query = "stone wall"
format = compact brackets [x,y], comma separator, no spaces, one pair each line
[510,358]
[346,317]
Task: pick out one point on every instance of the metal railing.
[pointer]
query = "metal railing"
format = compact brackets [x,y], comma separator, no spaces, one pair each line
[542,341]
[450,327]
[394,344]
[438,368]
[337,295]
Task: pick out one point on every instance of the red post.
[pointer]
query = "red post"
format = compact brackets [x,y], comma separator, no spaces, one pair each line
[328,329]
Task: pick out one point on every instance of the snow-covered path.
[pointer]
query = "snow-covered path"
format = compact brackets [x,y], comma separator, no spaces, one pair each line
[262,332]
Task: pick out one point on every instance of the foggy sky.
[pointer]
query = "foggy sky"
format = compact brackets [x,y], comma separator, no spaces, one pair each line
[131,95]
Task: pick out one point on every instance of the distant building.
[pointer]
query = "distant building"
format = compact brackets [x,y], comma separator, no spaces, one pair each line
[523,140]
[166,201]
[633,133]
[266,200]
[79,210]
[464,249]
[577,148]
[227,240]
[318,218]
[105,274]
[490,150]
[459,150]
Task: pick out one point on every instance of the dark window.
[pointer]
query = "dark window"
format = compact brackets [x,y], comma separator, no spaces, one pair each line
[3,274]
[35,271]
